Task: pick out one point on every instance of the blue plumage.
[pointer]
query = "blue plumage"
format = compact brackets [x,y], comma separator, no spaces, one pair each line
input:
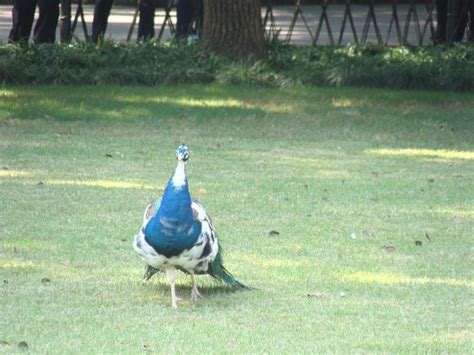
[178,234]
[173,229]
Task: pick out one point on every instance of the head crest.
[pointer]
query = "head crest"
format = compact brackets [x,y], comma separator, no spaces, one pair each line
[182,153]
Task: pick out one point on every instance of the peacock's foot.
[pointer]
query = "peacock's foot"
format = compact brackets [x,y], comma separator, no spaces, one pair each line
[195,295]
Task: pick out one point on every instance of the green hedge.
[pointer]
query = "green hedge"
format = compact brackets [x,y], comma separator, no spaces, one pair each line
[445,68]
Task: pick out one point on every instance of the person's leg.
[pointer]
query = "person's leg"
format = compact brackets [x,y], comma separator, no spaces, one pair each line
[441,18]
[45,28]
[146,23]
[471,21]
[23,13]
[101,16]
[460,14]
[184,16]
[198,11]
[14,35]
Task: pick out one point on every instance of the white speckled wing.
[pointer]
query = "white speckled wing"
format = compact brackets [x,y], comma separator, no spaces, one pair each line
[195,259]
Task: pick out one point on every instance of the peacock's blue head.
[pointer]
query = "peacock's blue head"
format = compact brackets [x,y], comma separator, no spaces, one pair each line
[182,153]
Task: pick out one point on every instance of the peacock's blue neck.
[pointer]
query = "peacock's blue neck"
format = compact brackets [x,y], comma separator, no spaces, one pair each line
[173,228]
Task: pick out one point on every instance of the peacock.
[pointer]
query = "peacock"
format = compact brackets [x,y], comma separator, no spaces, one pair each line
[177,234]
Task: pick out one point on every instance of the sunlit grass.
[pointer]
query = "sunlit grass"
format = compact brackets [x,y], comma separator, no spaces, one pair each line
[188,102]
[435,153]
[394,279]
[15,173]
[7,93]
[16,264]
[344,103]
[106,184]
[350,211]
[456,212]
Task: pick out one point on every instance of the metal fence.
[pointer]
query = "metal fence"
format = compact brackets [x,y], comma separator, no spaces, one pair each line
[414,19]
[413,22]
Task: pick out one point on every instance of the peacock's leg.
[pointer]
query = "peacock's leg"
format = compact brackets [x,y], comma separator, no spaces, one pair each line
[195,295]
[171,275]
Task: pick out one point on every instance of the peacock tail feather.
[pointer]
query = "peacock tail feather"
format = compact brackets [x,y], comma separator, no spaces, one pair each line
[149,272]
[219,272]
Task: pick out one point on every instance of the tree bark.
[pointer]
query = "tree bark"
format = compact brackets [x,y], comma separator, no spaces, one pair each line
[234,27]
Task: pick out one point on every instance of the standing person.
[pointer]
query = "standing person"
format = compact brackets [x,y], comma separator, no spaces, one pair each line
[101,16]
[23,13]
[45,28]
[146,23]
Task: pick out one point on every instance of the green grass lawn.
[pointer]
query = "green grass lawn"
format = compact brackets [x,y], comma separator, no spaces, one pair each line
[371,192]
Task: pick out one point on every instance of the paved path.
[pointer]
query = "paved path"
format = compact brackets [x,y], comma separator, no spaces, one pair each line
[121,18]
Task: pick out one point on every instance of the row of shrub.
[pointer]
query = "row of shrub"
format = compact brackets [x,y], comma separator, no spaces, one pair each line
[437,67]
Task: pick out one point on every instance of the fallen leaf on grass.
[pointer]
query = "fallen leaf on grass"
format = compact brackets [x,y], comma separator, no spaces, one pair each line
[427,236]
[367,232]
[388,248]
[316,294]
[273,233]
[202,191]
[108,155]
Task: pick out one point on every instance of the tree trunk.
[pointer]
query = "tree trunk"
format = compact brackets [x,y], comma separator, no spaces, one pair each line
[234,27]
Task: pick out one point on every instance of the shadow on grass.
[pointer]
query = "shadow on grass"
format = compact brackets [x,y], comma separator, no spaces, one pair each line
[210,285]
[214,101]
[209,290]
[115,103]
